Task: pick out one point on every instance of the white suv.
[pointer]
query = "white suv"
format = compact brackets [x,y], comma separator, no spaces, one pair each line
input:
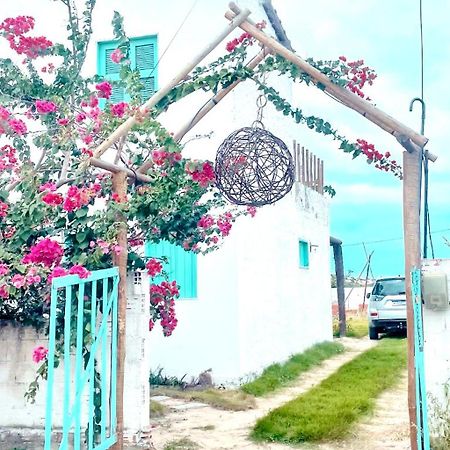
[387,306]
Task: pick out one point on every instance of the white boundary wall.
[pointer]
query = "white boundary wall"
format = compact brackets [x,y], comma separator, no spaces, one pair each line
[436,325]
[17,370]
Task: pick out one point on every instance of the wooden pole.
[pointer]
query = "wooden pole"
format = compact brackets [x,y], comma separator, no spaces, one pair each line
[308,177]
[303,166]
[411,229]
[321,182]
[340,280]
[114,168]
[119,182]
[349,99]
[367,278]
[155,98]
[315,173]
[294,155]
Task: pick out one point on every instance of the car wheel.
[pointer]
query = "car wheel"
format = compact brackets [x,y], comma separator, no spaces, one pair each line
[373,334]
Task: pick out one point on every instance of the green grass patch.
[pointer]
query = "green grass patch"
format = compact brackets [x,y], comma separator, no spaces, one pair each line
[228,399]
[157,409]
[181,444]
[357,327]
[329,410]
[277,375]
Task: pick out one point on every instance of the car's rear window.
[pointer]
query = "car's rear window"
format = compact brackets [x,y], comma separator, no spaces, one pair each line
[389,287]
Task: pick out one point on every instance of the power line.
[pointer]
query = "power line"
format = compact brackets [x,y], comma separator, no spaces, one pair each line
[174,36]
[380,241]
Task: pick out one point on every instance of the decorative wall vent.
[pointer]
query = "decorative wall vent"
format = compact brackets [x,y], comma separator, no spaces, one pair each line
[308,168]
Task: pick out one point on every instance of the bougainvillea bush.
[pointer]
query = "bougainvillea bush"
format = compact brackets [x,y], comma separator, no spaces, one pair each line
[58,217]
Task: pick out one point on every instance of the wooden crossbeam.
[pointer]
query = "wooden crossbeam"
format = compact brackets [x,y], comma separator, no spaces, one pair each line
[349,99]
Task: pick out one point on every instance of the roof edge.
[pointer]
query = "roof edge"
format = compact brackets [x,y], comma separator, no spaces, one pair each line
[275,21]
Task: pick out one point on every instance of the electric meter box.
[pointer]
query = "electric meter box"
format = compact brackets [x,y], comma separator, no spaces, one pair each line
[435,290]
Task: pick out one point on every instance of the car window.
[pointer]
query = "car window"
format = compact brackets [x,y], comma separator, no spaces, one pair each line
[389,287]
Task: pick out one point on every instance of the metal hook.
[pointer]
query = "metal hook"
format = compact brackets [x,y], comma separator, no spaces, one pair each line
[411,105]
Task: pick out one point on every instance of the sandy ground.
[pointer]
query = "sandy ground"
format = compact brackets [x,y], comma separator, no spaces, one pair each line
[386,429]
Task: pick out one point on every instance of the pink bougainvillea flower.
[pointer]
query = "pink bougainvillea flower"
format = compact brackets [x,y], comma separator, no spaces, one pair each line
[115,197]
[39,353]
[18,281]
[53,199]
[79,270]
[4,113]
[4,291]
[45,106]
[17,126]
[251,210]
[119,109]
[8,159]
[46,251]
[63,122]
[49,186]
[58,271]
[3,209]
[93,101]
[204,174]
[17,26]
[154,267]
[4,269]
[32,276]
[80,117]
[224,225]
[117,56]
[104,89]
[206,222]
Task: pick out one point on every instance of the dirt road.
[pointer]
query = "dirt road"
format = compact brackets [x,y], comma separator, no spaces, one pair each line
[214,429]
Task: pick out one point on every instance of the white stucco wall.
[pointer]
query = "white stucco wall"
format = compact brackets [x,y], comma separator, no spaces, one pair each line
[255,305]
[283,308]
[436,325]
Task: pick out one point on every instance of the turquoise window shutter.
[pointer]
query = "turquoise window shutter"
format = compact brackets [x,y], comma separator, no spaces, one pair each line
[303,251]
[143,57]
[182,266]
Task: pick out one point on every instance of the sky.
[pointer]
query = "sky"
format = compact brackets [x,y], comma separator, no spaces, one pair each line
[385,33]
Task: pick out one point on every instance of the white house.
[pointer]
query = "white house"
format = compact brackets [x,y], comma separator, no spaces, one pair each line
[266,293]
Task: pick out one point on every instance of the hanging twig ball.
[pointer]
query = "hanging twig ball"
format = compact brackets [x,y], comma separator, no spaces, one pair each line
[253,167]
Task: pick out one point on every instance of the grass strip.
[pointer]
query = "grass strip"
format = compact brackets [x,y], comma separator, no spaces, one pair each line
[277,375]
[157,409]
[181,444]
[357,327]
[329,410]
[221,399]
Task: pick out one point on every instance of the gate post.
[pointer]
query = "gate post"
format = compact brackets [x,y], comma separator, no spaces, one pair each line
[137,360]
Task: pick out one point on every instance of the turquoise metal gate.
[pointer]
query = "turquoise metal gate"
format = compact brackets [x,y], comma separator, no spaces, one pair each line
[423,434]
[84,312]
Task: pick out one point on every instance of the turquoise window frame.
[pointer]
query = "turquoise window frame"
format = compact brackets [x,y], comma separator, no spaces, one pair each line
[303,254]
[104,46]
[181,266]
